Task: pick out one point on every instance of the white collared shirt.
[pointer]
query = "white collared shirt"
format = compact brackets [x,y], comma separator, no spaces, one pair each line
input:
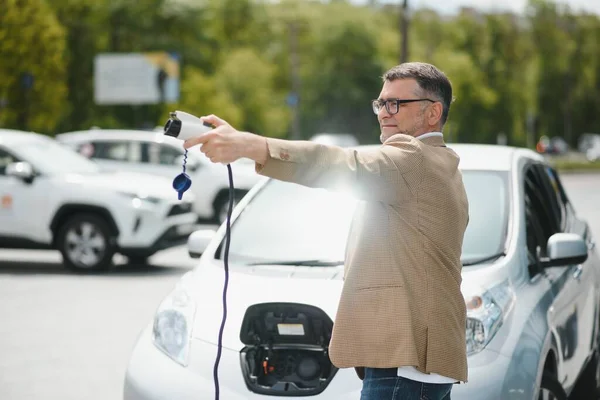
[429,134]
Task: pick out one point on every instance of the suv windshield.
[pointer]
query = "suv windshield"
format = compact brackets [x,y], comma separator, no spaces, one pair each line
[49,157]
[293,223]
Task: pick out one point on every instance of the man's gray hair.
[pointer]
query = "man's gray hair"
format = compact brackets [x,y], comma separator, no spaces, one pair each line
[431,80]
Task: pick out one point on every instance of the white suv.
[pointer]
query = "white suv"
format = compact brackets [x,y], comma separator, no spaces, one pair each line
[53,198]
[153,152]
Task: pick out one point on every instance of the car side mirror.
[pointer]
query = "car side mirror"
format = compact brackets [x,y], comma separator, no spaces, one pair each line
[22,170]
[198,241]
[565,249]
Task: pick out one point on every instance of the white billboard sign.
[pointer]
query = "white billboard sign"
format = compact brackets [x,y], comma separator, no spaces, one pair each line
[136,78]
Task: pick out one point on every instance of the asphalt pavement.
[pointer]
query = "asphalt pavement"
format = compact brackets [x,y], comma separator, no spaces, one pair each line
[68,337]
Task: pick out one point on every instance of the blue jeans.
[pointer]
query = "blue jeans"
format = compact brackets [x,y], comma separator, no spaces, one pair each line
[385,384]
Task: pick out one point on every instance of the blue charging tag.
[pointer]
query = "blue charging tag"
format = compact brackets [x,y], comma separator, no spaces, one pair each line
[182,182]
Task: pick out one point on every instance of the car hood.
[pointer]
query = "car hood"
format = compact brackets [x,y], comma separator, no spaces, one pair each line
[137,184]
[320,287]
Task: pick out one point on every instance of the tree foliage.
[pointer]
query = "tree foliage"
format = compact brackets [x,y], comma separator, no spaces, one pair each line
[32,68]
[520,75]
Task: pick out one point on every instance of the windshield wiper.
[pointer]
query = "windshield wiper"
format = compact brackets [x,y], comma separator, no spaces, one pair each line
[482,260]
[300,263]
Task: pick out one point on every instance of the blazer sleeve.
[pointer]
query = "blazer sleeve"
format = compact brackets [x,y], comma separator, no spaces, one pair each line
[380,174]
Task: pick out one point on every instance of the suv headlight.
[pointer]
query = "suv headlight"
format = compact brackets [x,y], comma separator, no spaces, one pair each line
[485,314]
[138,200]
[173,323]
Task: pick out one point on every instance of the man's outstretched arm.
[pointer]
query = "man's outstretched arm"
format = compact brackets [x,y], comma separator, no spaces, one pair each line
[378,174]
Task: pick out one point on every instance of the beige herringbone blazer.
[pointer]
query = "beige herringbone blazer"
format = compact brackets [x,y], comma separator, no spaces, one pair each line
[401,302]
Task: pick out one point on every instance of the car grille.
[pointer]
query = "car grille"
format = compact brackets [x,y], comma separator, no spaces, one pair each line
[182,208]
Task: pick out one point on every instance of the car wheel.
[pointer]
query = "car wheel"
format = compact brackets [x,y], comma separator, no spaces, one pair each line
[551,388]
[589,382]
[86,243]
[595,379]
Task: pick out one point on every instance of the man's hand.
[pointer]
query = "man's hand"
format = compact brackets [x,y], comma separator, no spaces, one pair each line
[225,144]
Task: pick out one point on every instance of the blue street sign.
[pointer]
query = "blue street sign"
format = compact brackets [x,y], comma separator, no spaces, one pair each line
[292,99]
[26,80]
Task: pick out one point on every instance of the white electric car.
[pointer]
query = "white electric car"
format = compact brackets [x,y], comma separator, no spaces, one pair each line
[154,153]
[53,198]
[531,279]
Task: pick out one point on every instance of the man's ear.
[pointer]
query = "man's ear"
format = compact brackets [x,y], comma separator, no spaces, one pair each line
[434,115]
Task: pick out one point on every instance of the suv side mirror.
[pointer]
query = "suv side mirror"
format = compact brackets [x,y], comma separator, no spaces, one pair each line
[565,249]
[22,170]
[198,241]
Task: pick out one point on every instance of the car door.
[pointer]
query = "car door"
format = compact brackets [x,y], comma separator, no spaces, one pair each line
[112,155]
[7,196]
[540,225]
[568,314]
[17,215]
[585,273]
[164,160]
[141,159]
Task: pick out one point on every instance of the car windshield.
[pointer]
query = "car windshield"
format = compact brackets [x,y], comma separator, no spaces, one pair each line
[50,157]
[298,225]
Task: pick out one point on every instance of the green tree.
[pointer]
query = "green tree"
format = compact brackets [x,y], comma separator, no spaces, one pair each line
[510,73]
[555,49]
[342,74]
[83,22]
[241,92]
[201,95]
[583,75]
[122,26]
[32,70]
[473,98]
[462,52]
[248,79]
[241,58]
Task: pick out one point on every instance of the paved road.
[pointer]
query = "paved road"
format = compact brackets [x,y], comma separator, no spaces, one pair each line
[69,337]
[584,192]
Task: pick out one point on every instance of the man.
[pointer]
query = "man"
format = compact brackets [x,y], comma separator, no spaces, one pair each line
[401,317]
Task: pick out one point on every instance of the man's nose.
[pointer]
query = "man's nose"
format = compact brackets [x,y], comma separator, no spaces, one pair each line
[383,114]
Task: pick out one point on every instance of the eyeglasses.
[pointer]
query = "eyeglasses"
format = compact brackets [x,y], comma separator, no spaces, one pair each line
[393,105]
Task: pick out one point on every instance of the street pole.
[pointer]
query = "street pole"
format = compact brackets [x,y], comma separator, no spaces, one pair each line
[569,84]
[530,121]
[403,24]
[27,79]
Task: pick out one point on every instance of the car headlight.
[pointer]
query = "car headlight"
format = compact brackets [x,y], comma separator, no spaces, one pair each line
[173,323]
[485,314]
[138,200]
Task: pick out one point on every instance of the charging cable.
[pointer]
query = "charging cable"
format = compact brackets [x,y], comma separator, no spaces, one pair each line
[225,284]
[185,126]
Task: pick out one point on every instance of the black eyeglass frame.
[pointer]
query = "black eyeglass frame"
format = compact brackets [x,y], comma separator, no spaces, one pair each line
[377,103]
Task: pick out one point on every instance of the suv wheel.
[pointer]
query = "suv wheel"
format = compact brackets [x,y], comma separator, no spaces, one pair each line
[551,389]
[85,242]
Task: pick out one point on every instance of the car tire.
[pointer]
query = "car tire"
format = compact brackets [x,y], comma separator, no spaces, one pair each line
[86,243]
[550,385]
[589,382]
